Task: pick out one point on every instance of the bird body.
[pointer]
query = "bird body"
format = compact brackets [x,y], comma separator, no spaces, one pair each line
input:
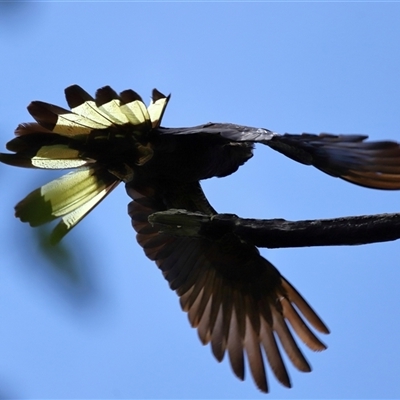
[238,301]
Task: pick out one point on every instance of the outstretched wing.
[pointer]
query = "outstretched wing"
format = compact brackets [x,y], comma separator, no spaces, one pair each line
[236,299]
[374,164]
[370,164]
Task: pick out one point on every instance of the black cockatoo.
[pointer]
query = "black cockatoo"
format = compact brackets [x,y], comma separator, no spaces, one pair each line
[236,298]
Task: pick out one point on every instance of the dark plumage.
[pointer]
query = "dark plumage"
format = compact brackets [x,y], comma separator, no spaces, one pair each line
[238,301]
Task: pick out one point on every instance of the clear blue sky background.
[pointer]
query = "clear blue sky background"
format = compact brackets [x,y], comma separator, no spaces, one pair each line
[107,325]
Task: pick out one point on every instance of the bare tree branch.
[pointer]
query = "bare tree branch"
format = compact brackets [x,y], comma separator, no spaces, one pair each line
[279,233]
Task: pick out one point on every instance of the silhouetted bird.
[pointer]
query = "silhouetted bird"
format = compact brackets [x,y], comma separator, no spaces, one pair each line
[236,298]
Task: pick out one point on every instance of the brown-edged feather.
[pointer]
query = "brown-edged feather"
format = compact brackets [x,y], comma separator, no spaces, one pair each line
[235,298]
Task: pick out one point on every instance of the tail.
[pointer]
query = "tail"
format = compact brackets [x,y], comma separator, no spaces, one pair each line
[82,138]
[70,197]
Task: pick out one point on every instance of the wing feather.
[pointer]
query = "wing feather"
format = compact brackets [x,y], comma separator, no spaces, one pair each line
[253,351]
[219,335]
[235,347]
[273,354]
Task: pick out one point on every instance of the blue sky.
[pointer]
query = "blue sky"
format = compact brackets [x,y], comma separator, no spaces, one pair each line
[108,326]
